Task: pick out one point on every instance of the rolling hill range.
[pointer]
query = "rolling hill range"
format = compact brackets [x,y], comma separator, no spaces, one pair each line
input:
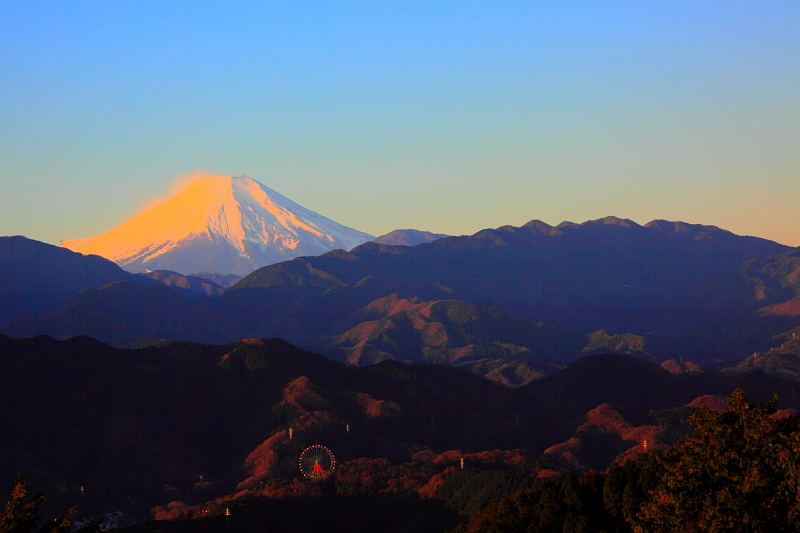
[35,276]
[609,273]
[687,288]
[188,423]
[445,332]
[662,290]
[781,361]
[478,338]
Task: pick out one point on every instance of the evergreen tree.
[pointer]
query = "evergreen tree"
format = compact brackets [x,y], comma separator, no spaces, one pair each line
[20,517]
[738,472]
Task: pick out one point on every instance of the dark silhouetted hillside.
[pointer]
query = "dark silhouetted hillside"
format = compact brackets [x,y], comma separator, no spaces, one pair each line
[146,424]
[665,278]
[186,285]
[124,312]
[35,276]
[660,291]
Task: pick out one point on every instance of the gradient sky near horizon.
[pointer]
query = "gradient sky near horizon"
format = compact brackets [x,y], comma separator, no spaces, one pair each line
[443,116]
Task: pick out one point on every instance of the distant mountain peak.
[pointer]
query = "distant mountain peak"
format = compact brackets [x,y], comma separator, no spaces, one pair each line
[538,225]
[612,221]
[605,221]
[224,224]
[408,237]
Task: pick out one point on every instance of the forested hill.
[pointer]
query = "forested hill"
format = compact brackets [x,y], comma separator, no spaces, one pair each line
[143,425]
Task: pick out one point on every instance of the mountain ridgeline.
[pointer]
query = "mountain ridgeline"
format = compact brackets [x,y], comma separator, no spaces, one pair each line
[506,301]
[607,273]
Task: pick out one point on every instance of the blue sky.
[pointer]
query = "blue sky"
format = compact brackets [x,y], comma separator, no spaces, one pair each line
[442,116]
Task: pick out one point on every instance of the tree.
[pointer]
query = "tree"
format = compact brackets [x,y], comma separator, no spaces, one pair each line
[20,517]
[627,487]
[572,505]
[738,472]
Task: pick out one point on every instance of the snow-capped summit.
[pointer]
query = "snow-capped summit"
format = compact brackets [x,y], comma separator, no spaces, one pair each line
[224,224]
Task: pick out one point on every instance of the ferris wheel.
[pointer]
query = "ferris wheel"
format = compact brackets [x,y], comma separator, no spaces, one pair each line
[316,462]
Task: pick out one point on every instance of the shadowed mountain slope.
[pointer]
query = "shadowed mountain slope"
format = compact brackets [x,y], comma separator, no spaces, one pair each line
[123,312]
[608,273]
[775,278]
[776,281]
[35,276]
[781,361]
[446,332]
[665,278]
[186,285]
[676,288]
[479,338]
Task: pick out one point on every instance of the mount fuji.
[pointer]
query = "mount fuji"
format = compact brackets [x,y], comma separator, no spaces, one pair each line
[222,224]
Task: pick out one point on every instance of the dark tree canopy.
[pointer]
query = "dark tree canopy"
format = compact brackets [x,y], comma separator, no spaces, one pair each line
[739,471]
[21,517]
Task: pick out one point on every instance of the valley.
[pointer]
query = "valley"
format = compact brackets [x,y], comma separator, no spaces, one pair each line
[444,376]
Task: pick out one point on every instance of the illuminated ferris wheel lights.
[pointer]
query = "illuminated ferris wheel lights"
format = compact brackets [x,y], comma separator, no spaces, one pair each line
[316,462]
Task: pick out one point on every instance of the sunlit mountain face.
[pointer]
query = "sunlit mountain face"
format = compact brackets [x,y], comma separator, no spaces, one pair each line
[223,224]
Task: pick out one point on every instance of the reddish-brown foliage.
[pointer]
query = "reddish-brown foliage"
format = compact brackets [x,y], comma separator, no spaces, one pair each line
[789,307]
[711,401]
[175,510]
[676,367]
[376,408]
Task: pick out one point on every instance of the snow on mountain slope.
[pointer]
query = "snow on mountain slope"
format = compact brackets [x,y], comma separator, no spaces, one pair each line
[224,224]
